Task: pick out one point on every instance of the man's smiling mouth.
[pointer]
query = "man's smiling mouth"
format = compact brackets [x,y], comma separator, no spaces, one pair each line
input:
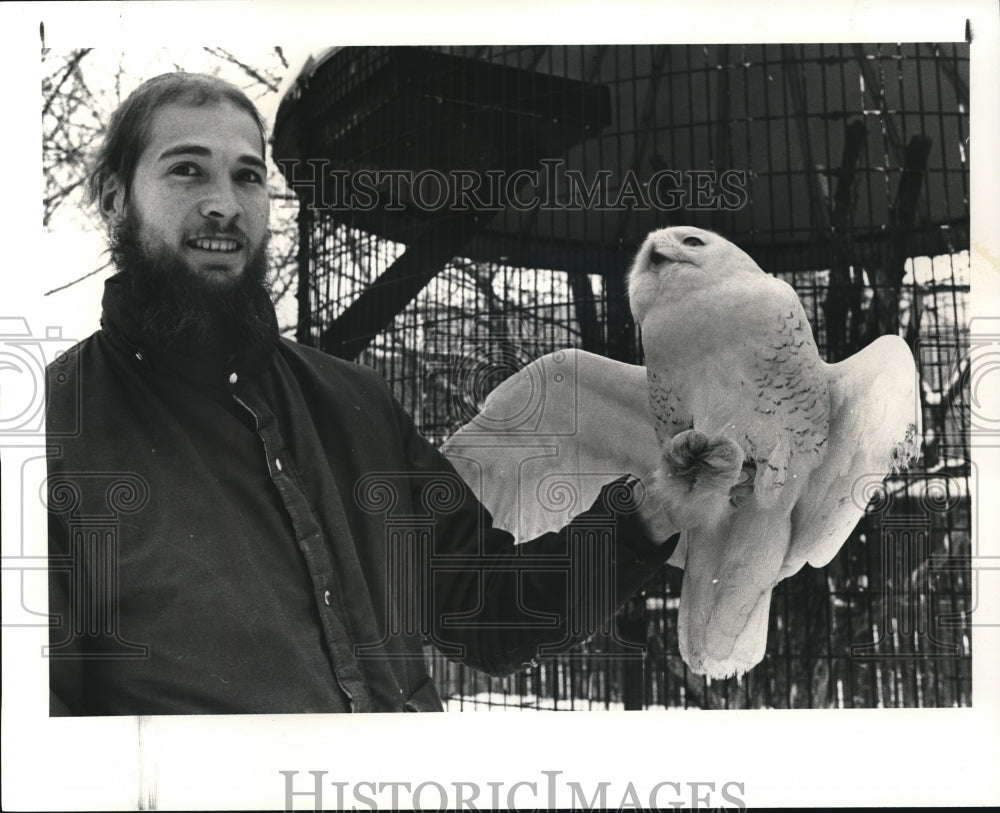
[214,244]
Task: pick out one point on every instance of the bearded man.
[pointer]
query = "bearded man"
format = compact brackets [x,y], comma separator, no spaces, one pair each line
[213,542]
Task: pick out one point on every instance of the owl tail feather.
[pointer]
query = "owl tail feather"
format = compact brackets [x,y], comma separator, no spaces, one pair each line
[718,652]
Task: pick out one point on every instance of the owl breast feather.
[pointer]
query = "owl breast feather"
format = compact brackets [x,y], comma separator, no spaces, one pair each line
[764,386]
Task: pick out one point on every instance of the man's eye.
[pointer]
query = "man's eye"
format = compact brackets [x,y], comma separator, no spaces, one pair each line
[251,176]
[693,241]
[185,170]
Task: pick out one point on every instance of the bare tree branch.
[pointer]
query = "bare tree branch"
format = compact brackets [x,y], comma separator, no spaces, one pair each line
[79,279]
[74,61]
[221,53]
[52,202]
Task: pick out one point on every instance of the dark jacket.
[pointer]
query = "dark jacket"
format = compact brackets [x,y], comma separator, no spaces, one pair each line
[273,535]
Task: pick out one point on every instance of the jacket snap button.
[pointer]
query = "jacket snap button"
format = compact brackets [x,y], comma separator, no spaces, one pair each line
[277,463]
[326,598]
[233,378]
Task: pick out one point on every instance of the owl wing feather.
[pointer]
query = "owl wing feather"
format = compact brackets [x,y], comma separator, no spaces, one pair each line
[873,411]
[551,436]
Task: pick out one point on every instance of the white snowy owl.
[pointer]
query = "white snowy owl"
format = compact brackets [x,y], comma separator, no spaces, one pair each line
[734,394]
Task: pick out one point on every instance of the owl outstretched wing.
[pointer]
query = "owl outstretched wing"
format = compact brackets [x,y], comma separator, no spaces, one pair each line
[873,431]
[550,436]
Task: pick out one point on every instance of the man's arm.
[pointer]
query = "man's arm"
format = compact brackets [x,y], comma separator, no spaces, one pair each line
[494,603]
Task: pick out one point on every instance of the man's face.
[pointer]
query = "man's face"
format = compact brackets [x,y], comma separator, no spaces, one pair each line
[199,195]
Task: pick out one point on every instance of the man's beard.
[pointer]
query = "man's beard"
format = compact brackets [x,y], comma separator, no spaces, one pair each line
[173,307]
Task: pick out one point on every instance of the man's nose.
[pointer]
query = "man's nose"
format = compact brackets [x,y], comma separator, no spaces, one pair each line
[220,203]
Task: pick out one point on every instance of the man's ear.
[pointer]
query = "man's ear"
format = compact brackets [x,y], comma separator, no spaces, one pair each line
[112,200]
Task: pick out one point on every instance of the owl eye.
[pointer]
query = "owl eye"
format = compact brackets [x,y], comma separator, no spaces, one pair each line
[693,241]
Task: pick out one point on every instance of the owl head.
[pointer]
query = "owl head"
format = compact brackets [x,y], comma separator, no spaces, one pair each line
[677,261]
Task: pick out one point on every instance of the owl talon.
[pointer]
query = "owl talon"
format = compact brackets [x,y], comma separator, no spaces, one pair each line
[741,493]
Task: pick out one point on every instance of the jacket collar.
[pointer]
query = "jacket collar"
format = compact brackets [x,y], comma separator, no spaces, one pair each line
[210,364]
